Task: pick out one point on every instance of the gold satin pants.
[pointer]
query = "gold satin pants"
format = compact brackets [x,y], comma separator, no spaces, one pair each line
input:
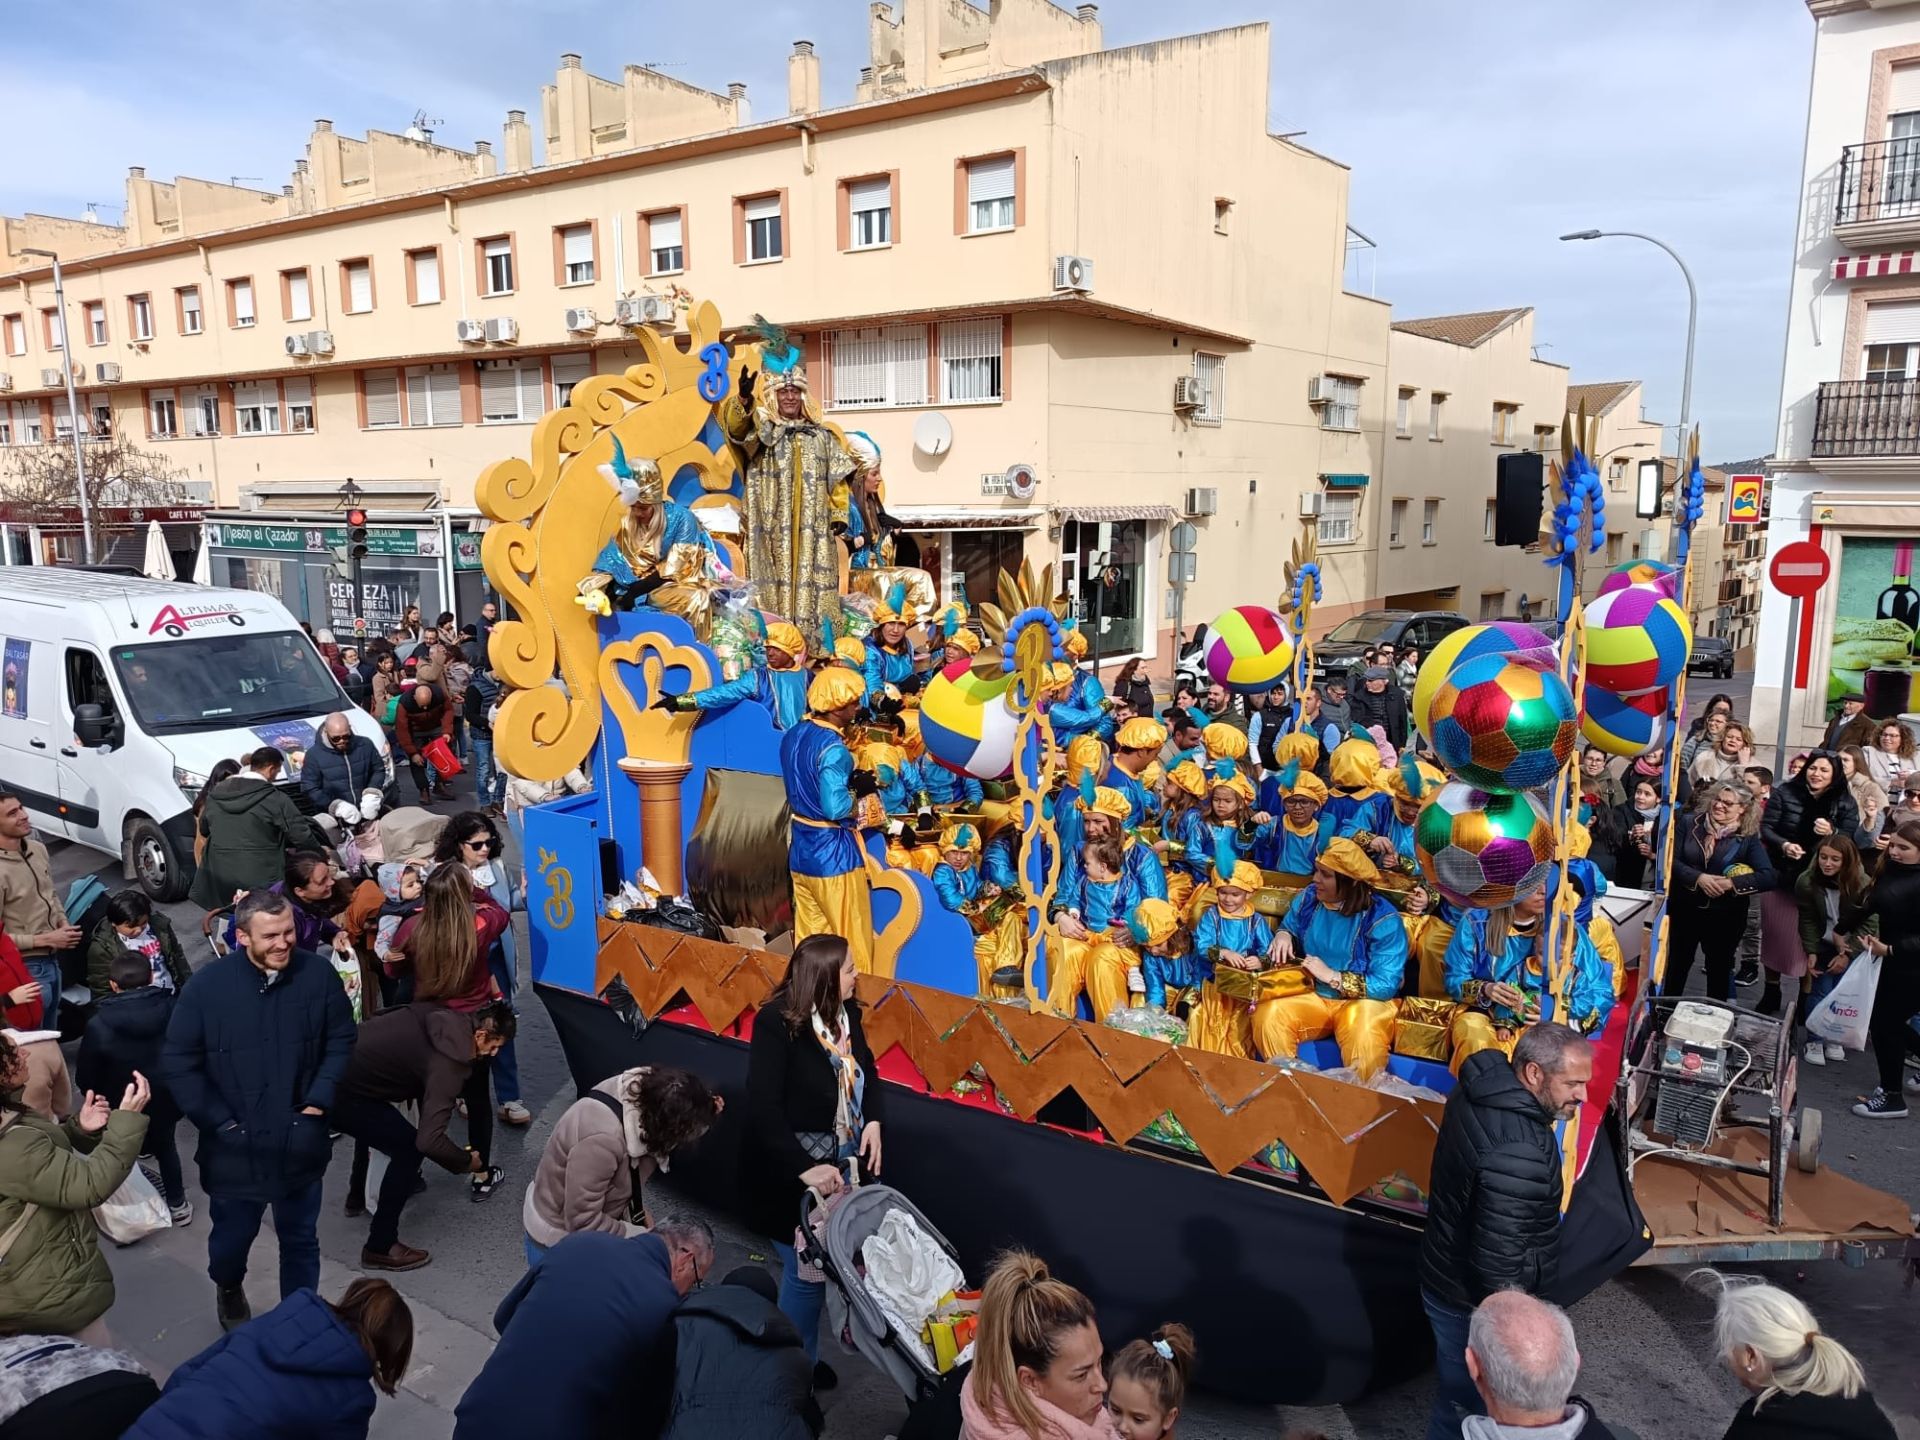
[1000,947]
[836,905]
[1219,1024]
[1474,1031]
[1098,967]
[1363,1029]
[1431,948]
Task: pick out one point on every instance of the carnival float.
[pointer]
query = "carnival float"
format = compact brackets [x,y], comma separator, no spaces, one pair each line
[1274,1204]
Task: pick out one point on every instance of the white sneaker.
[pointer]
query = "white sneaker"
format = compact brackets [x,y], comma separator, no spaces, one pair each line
[1814,1054]
[181,1214]
[1836,1052]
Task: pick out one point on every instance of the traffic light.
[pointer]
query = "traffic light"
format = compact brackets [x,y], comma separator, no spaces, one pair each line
[356,534]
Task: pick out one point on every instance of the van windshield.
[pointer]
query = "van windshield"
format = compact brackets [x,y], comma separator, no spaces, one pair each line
[218,681]
[1364,629]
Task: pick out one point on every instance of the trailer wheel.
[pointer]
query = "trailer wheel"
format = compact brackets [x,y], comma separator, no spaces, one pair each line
[1806,1141]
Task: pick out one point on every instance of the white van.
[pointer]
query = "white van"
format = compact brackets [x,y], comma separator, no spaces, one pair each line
[118,695]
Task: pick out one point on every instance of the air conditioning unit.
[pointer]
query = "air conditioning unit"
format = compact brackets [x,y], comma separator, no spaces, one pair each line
[640,310]
[319,342]
[297,345]
[6,382]
[1189,393]
[580,321]
[1202,500]
[1311,503]
[471,332]
[106,373]
[1320,390]
[503,330]
[1072,272]
[53,379]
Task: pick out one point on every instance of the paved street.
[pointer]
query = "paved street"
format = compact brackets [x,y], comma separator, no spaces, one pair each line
[1644,1336]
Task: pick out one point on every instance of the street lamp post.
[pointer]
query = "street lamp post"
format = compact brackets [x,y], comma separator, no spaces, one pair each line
[73,403]
[1693,313]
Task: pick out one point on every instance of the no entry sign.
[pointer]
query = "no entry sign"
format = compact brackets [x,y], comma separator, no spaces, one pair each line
[1799,569]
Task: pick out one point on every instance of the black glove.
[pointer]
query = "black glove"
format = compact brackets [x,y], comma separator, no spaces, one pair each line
[746,388]
[863,784]
[837,528]
[668,701]
[908,686]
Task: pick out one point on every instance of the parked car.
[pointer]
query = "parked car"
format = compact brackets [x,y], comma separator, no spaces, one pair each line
[1340,649]
[1711,656]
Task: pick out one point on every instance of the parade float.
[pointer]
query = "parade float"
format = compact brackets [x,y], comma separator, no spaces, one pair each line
[1275,1208]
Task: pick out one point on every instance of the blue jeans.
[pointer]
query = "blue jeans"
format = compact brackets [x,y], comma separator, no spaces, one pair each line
[236,1224]
[801,1301]
[489,780]
[1453,1393]
[506,1065]
[46,974]
[536,1252]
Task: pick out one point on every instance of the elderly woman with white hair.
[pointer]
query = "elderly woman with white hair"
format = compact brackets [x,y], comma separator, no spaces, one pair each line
[1803,1382]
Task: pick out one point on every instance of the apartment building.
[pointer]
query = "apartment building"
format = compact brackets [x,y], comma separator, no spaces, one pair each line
[1067,322]
[1465,390]
[1846,468]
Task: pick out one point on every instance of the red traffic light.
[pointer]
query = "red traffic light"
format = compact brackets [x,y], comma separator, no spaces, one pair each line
[356,517]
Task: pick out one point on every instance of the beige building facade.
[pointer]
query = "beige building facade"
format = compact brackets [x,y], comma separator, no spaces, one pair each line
[963,247]
[1463,390]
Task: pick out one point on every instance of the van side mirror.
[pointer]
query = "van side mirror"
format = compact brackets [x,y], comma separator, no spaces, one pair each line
[91,725]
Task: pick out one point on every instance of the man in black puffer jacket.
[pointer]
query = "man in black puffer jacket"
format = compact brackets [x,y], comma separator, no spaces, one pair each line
[1493,1209]
[739,1367]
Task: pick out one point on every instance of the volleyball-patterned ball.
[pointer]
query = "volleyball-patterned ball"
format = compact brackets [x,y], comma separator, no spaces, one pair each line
[965,724]
[1250,648]
[1502,725]
[1497,637]
[1481,850]
[1629,726]
[1637,640]
[1643,572]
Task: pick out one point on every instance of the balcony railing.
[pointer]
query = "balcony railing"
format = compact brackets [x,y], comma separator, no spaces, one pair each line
[1867,417]
[1878,181]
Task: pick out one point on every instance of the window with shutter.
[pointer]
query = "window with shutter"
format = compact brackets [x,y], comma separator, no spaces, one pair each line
[299,296]
[576,255]
[762,218]
[666,242]
[240,302]
[568,371]
[1211,372]
[190,310]
[426,276]
[163,416]
[970,361]
[298,394]
[870,213]
[256,409]
[359,286]
[16,335]
[990,194]
[1337,516]
[96,322]
[26,422]
[382,391]
[876,367]
[433,395]
[509,392]
[498,256]
[140,308]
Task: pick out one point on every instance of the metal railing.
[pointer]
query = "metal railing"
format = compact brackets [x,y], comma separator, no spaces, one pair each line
[1867,417]
[1878,181]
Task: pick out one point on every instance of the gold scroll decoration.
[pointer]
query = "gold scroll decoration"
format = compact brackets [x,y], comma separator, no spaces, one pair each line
[552,514]
[1346,1137]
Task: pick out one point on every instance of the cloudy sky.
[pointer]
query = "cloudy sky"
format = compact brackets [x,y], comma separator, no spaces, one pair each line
[1478,131]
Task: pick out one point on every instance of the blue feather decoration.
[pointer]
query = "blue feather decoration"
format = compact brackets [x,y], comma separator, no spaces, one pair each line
[620,465]
[1289,775]
[1359,732]
[897,597]
[1223,857]
[1087,788]
[826,634]
[949,625]
[1137,928]
[1410,772]
[1223,769]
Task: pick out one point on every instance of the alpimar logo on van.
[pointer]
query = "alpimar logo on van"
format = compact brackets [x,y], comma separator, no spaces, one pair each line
[177,620]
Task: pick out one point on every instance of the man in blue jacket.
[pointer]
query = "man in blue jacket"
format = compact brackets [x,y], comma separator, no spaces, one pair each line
[342,766]
[255,1049]
[585,1338]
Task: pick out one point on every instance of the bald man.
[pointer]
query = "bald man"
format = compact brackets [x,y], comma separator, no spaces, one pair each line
[424,713]
[1523,1359]
[342,767]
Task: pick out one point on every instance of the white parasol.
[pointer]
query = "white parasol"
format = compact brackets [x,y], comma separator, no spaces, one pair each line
[203,562]
[158,564]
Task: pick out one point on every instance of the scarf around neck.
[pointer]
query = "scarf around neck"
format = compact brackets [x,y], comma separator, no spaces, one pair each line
[978,1422]
[850,1080]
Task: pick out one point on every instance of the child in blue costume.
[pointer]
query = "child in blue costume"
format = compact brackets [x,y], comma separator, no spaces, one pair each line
[1227,818]
[1353,776]
[658,544]
[1303,832]
[1167,962]
[967,890]
[890,659]
[1183,791]
[1087,812]
[1088,755]
[1084,709]
[1231,933]
[1384,828]
[1353,945]
[1497,973]
[1091,907]
[1299,746]
[830,891]
[780,684]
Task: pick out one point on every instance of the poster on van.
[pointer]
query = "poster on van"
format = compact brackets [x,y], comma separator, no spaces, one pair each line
[1876,625]
[13,679]
[292,738]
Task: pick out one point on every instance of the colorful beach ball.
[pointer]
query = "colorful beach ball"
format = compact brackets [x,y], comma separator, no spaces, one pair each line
[1637,640]
[1496,637]
[1643,572]
[1250,649]
[1502,725]
[1628,726]
[1482,850]
[965,723]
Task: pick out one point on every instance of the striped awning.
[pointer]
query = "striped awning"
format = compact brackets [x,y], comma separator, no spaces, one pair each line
[1095,513]
[1872,267]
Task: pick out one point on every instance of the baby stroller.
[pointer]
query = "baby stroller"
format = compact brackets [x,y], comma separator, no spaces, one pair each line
[852,1310]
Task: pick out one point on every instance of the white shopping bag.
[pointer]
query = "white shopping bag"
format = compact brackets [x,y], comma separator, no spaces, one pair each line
[907,1272]
[1843,1016]
[134,1211]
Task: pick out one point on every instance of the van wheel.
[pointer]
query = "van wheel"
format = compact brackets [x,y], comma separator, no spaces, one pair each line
[155,866]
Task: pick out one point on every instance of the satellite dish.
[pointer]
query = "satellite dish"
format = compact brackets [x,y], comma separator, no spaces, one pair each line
[1022,481]
[933,434]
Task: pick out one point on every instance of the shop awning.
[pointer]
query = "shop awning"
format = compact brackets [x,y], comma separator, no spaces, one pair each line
[1872,267]
[1093,514]
[1344,482]
[962,517]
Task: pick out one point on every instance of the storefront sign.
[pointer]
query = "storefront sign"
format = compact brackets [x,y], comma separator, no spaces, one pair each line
[318,539]
[382,603]
[1743,498]
[466,550]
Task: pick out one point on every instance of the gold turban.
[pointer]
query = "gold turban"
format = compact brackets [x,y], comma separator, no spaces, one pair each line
[1223,742]
[1155,922]
[1086,755]
[1075,643]
[784,635]
[1307,783]
[1108,801]
[1298,746]
[1189,777]
[834,687]
[1344,857]
[1141,733]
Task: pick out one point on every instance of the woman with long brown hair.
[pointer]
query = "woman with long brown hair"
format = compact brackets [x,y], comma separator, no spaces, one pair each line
[1036,1360]
[1895,902]
[814,1112]
[1835,883]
